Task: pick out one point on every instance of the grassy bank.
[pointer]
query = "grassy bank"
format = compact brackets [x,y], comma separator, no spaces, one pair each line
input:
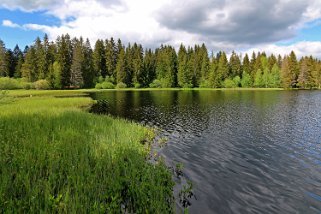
[55,157]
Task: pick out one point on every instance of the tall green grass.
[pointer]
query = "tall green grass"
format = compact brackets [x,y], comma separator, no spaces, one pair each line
[57,158]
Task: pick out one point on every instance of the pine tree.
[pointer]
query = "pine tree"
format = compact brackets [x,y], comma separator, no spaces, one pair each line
[10,63]
[64,58]
[18,61]
[246,64]
[3,62]
[184,78]
[76,78]
[88,66]
[111,56]
[30,65]
[137,62]
[121,67]
[99,59]
[149,67]
[294,69]
[316,75]
[42,68]
[304,78]
[235,68]
[286,76]
[222,71]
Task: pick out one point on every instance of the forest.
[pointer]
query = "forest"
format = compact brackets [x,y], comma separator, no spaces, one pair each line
[73,63]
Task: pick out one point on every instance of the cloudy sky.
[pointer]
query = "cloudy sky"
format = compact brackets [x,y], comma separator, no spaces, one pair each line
[243,25]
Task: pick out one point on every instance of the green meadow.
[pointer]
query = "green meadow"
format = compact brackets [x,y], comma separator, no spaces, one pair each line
[55,157]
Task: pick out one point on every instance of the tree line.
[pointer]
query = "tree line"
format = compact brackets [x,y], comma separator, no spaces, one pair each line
[72,63]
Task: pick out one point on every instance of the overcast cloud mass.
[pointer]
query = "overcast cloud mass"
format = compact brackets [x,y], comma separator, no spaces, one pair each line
[242,25]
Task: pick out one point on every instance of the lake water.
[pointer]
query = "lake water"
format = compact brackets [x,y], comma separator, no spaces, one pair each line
[244,151]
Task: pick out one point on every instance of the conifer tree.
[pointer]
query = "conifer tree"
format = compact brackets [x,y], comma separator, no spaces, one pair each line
[222,71]
[304,78]
[18,61]
[99,59]
[149,67]
[111,56]
[121,67]
[235,68]
[184,77]
[286,76]
[78,58]
[88,66]
[30,65]
[64,58]
[294,69]
[3,63]
[138,66]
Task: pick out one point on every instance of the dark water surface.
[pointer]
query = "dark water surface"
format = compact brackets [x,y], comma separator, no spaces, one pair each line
[245,151]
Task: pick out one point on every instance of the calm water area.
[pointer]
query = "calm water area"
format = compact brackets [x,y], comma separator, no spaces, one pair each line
[245,151]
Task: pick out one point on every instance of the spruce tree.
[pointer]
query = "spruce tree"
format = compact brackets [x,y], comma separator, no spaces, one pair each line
[99,59]
[286,76]
[121,67]
[304,78]
[235,68]
[3,60]
[76,78]
[30,65]
[149,67]
[183,78]
[64,58]
[89,74]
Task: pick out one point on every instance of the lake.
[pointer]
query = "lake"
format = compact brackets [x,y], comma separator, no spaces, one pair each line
[245,151]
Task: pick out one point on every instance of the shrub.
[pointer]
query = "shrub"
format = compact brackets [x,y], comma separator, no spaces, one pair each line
[137,85]
[98,86]
[204,84]
[42,85]
[110,79]
[156,84]
[237,81]
[188,85]
[228,83]
[28,86]
[10,83]
[107,85]
[101,79]
[121,85]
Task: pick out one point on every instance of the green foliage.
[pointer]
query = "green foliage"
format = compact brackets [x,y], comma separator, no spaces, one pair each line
[72,63]
[246,80]
[258,81]
[156,84]
[99,86]
[107,85]
[7,83]
[137,85]
[237,81]
[42,85]
[121,85]
[204,84]
[54,158]
[228,83]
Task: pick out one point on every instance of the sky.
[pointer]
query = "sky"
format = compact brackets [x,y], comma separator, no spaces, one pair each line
[273,26]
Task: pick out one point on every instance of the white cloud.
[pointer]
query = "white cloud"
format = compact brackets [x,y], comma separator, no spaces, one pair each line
[303,48]
[221,24]
[8,23]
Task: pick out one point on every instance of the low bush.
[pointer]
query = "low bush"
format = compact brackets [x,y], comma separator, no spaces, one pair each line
[98,86]
[7,83]
[156,84]
[42,85]
[121,85]
[107,85]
